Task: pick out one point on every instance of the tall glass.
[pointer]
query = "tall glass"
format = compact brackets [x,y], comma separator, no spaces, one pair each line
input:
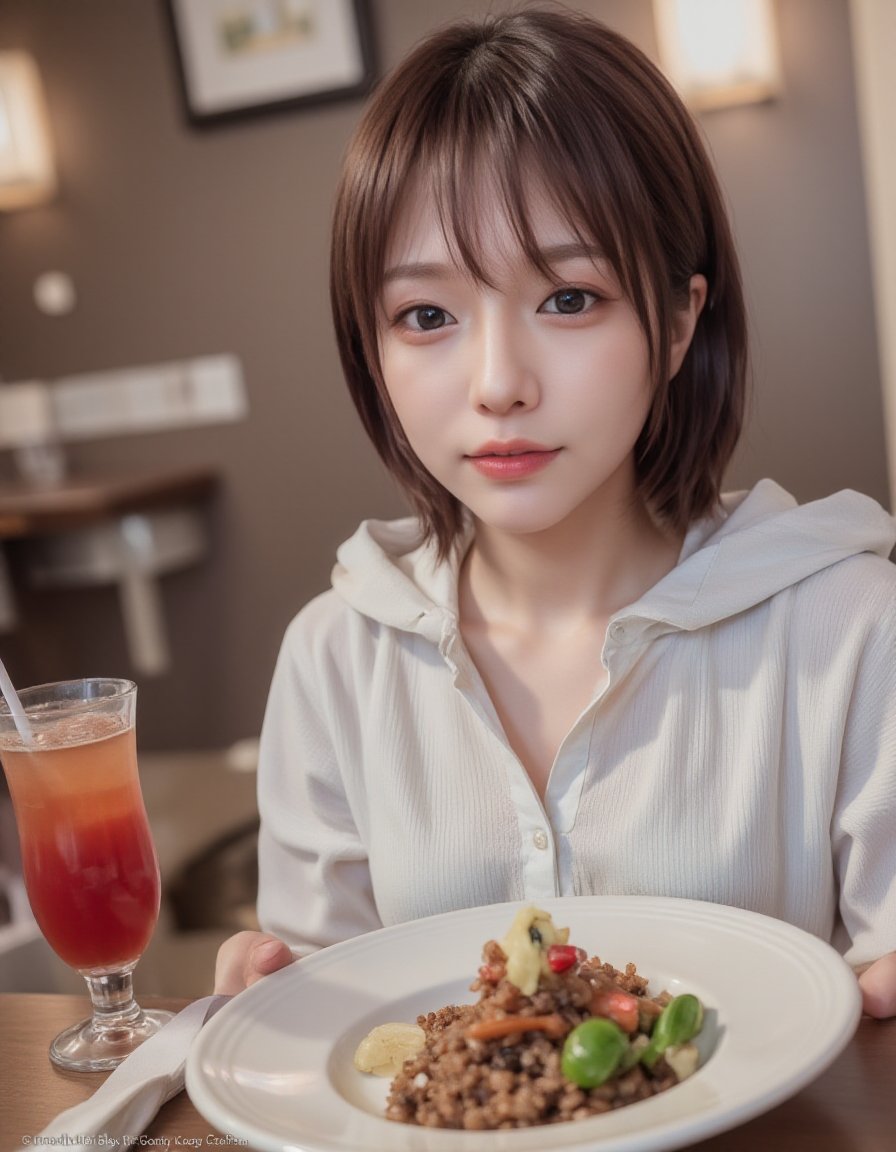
[88,859]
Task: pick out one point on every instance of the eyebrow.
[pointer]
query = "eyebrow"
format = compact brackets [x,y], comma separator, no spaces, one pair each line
[429,271]
[553,254]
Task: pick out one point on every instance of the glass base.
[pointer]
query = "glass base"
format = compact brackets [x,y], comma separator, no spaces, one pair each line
[87,1047]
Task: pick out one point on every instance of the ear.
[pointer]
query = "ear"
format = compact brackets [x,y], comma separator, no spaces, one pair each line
[686,321]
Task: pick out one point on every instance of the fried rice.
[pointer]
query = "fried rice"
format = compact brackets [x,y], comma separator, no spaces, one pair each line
[461,1081]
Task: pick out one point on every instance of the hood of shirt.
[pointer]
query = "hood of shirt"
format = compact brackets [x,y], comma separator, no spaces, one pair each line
[755,545]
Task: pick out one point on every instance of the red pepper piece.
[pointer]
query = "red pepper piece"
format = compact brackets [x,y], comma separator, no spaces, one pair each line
[562,956]
[616,1005]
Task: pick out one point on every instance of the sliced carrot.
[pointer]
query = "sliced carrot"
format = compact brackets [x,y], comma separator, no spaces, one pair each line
[616,1005]
[554,1025]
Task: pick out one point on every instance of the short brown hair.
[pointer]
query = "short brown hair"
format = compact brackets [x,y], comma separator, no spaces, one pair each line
[625,161]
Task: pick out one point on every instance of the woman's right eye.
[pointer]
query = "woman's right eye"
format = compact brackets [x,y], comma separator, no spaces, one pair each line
[425,318]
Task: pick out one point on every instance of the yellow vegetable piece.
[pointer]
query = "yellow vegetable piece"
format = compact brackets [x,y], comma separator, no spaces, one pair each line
[526,946]
[383,1050]
[683,1059]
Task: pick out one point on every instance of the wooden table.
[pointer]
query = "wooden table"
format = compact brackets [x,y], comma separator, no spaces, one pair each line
[850,1108]
[28,509]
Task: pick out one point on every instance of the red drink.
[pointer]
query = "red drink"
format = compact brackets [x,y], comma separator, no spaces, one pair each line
[70,755]
[87,855]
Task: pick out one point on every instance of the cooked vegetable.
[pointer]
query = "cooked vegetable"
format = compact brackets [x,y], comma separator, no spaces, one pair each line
[526,946]
[679,1021]
[387,1047]
[562,956]
[632,1054]
[593,1052]
[618,1006]
[554,1025]
[682,1059]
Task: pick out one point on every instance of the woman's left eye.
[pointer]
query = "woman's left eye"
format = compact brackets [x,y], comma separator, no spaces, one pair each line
[568,302]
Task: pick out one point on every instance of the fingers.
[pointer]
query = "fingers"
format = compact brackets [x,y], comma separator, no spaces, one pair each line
[265,957]
[245,958]
[878,985]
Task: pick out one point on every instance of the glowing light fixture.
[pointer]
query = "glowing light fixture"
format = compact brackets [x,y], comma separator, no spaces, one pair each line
[27,172]
[719,52]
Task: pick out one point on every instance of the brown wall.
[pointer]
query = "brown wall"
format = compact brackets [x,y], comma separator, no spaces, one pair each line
[186,242]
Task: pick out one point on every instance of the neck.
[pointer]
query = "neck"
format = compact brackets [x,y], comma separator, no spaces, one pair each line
[596,561]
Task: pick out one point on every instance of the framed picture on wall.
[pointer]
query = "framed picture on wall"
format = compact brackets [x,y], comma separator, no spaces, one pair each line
[238,57]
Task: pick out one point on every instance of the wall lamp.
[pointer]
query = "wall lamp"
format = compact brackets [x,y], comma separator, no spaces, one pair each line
[27,172]
[719,52]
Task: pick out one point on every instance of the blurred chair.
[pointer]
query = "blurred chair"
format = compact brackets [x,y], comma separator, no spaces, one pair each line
[218,887]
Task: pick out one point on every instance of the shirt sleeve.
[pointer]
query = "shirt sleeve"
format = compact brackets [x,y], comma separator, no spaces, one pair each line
[863,832]
[314,884]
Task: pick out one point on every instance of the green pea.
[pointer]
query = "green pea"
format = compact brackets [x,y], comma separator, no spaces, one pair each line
[679,1021]
[592,1052]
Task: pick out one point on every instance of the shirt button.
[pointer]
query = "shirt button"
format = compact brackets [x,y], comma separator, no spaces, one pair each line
[618,631]
[540,839]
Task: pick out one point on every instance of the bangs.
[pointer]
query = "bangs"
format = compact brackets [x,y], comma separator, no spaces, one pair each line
[489,141]
[473,180]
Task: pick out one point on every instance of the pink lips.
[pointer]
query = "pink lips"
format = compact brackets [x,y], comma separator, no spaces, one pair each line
[511,459]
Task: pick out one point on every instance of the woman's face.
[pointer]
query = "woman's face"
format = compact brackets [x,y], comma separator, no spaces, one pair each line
[525,399]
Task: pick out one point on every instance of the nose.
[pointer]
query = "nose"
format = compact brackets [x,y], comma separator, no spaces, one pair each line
[503,374]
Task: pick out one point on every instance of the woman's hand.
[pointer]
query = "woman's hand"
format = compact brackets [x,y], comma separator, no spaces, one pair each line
[878,984]
[247,957]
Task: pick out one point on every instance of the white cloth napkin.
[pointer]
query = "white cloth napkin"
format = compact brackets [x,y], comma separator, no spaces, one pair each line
[124,1104]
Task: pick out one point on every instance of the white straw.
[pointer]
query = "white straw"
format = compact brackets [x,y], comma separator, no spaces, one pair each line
[15,707]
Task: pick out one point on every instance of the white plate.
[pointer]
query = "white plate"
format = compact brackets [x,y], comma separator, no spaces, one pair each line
[275,1065]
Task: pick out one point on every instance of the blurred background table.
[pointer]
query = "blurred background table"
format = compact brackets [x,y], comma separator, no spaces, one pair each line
[28,509]
[850,1108]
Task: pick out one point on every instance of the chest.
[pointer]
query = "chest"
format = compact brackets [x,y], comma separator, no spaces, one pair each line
[539,687]
[677,782]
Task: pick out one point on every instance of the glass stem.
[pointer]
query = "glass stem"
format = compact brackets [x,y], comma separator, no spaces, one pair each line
[112,994]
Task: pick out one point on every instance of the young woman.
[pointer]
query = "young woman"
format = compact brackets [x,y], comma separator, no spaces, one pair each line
[577,668]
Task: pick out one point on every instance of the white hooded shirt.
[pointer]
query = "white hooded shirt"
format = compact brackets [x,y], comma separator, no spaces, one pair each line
[741,750]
